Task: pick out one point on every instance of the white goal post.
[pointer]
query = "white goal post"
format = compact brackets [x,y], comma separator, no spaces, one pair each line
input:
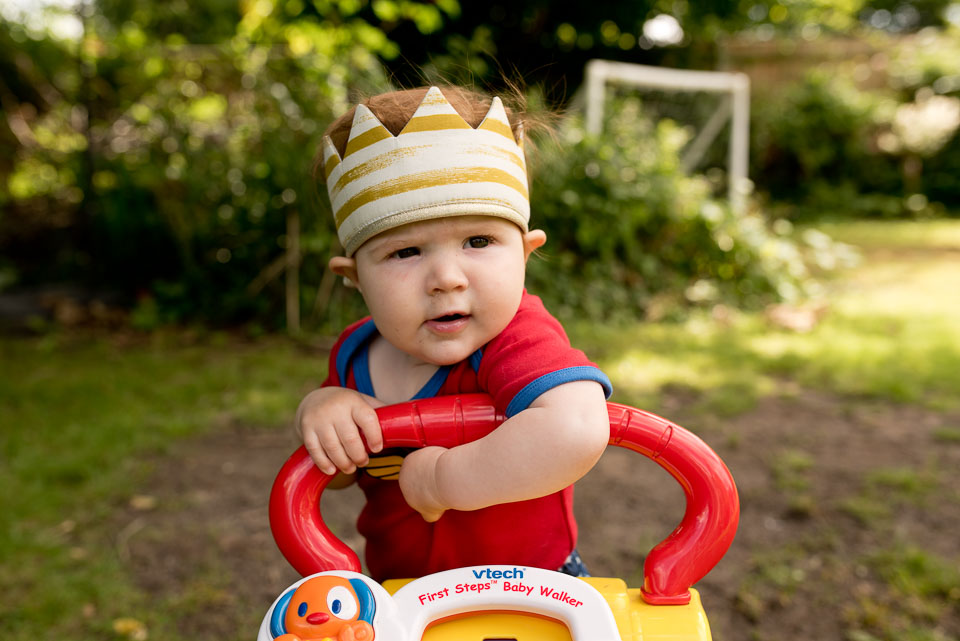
[735,106]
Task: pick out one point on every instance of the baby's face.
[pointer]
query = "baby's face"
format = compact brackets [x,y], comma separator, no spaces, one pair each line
[440,289]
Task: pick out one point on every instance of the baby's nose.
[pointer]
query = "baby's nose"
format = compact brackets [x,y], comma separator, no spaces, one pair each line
[447,275]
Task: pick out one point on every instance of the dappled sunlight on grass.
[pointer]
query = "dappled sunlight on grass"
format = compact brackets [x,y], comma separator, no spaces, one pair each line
[906,359]
[640,376]
[930,234]
[891,329]
[905,287]
[701,355]
[649,372]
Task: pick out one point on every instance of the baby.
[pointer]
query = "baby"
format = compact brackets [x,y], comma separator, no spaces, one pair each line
[430,196]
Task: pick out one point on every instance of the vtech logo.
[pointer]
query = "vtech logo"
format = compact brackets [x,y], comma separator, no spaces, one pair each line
[489,573]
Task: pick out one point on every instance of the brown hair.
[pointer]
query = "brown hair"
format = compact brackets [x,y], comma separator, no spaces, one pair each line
[394,110]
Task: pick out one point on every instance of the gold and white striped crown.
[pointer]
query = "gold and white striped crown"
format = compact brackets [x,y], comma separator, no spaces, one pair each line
[437,166]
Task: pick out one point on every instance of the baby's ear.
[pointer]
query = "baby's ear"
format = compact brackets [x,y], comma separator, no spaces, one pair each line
[533,240]
[346,267]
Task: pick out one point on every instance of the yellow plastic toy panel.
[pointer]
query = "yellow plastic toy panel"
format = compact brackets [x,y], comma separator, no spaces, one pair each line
[636,620]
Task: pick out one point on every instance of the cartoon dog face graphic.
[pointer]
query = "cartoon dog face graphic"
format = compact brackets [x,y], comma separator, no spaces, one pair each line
[325,607]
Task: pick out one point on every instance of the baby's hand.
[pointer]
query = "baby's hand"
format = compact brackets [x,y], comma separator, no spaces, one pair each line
[418,482]
[330,421]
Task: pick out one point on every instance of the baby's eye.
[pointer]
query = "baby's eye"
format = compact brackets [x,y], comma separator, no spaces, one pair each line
[478,242]
[406,252]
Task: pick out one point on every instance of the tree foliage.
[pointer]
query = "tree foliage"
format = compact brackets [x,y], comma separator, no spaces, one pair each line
[884,147]
[160,155]
[547,44]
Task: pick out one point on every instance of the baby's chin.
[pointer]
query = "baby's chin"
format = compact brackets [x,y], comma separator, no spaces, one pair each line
[454,350]
[443,358]
[444,362]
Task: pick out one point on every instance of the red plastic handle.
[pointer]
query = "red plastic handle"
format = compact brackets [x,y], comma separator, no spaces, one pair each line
[672,566]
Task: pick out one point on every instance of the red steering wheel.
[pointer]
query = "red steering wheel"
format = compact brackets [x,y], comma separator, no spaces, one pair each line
[672,566]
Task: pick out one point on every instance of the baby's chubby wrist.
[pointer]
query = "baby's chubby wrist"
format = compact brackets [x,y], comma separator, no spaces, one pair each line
[420,482]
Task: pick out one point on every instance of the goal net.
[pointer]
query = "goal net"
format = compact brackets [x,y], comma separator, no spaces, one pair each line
[713,105]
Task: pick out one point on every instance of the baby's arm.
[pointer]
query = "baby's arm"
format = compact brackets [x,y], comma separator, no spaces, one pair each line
[541,450]
[330,421]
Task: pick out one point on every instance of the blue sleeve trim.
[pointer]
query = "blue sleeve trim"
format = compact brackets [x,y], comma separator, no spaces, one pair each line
[348,348]
[546,382]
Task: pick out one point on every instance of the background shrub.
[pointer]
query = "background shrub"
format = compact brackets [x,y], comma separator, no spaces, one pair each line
[158,163]
[886,145]
[630,234]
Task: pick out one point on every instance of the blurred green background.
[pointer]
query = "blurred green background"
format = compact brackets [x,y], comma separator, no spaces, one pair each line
[161,236]
[155,157]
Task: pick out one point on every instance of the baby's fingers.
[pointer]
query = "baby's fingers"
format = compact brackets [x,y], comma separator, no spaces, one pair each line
[336,440]
[368,422]
[317,453]
[352,445]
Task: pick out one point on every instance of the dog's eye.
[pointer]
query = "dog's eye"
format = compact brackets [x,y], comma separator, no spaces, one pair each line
[341,603]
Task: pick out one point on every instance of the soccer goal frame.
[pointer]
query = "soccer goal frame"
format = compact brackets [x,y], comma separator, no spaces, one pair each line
[734,106]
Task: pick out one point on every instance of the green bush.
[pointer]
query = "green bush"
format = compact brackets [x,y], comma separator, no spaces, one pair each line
[827,147]
[816,137]
[630,234]
[941,175]
[933,68]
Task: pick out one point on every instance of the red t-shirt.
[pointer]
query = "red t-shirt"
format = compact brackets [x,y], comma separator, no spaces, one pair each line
[530,356]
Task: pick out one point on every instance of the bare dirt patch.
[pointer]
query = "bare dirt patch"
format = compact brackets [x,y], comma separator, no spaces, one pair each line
[828,485]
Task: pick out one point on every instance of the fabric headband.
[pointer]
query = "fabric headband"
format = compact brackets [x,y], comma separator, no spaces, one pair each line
[437,166]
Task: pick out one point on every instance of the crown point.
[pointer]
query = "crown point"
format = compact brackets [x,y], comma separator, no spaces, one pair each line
[434,95]
[362,114]
[328,147]
[365,130]
[496,120]
[434,113]
[331,157]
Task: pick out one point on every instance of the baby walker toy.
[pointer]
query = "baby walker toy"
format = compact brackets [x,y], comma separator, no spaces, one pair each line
[334,602]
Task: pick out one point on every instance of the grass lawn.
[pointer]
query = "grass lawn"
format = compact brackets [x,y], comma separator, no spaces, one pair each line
[890,329]
[78,416]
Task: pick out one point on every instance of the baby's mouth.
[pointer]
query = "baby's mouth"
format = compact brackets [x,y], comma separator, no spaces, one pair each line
[448,318]
[449,323]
